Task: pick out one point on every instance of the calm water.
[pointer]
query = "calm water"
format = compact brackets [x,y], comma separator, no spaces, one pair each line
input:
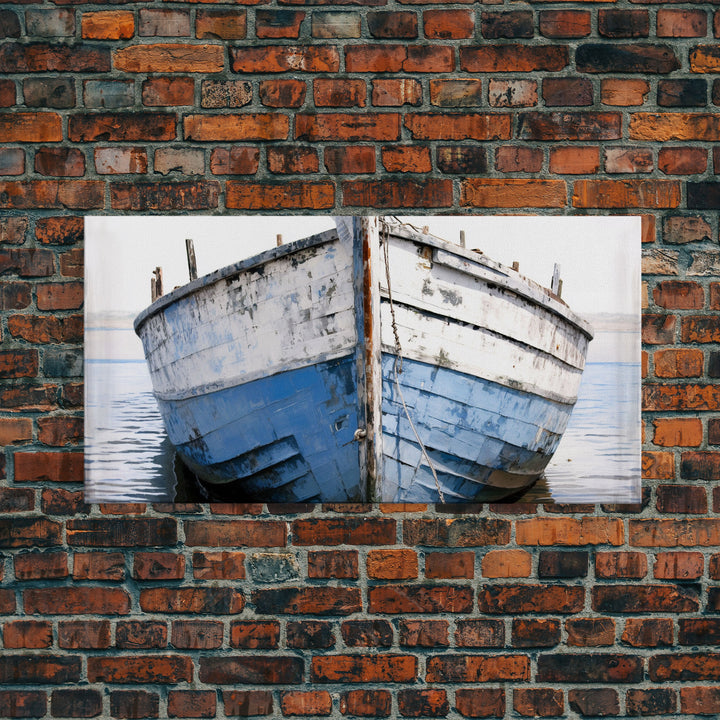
[129,458]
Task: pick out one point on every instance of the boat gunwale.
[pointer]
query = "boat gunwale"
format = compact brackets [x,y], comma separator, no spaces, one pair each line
[507,277]
[243,265]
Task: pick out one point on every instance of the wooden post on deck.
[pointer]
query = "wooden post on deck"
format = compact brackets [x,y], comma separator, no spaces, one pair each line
[462,238]
[156,288]
[192,264]
[278,240]
[556,284]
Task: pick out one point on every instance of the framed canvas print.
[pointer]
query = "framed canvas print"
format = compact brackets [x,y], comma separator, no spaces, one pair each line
[447,359]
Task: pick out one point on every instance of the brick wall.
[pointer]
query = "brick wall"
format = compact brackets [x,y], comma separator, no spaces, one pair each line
[345,611]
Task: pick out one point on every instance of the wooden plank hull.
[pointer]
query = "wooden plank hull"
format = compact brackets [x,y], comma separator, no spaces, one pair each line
[262,373]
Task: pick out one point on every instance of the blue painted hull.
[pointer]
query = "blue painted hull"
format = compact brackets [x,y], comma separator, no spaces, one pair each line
[292,436]
[289,439]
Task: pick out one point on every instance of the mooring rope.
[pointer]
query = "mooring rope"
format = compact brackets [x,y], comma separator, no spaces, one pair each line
[397,365]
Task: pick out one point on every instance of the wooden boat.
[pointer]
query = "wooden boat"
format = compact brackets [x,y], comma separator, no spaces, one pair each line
[375,362]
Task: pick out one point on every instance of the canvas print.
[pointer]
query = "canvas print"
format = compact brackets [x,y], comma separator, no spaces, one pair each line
[447,359]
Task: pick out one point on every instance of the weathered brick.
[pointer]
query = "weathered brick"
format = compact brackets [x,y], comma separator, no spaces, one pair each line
[27,634]
[225,93]
[448,24]
[185,161]
[395,92]
[283,58]
[480,702]
[559,24]
[678,566]
[232,670]
[47,57]
[12,161]
[506,563]
[573,92]
[529,598]
[108,25]
[236,160]
[366,703]
[480,633]
[517,159]
[538,702]
[423,703]
[419,599]
[335,92]
[567,564]
[192,703]
[682,160]
[513,193]
[270,196]
[661,701]
[307,601]
[248,703]
[574,125]
[684,666]
[278,23]
[197,634]
[628,160]
[135,634]
[39,669]
[623,93]
[336,24]
[670,432]
[76,702]
[398,24]
[644,598]
[98,566]
[610,58]
[569,531]
[398,58]
[76,600]
[673,126]
[168,91]
[309,702]
[121,127]
[589,632]
[424,633]
[211,600]
[477,668]
[512,93]
[513,58]
[48,467]
[682,93]
[84,634]
[108,93]
[623,23]
[139,669]
[589,668]
[141,196]
[351,160]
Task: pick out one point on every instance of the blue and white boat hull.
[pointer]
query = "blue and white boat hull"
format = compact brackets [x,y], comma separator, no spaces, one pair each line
[316,372]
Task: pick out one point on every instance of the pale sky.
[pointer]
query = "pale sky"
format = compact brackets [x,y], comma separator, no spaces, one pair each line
[599,256]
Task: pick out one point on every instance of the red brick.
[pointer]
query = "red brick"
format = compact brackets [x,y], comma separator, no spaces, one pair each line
[672,126]
[599,702]
[237,160]
[348,127]
[518,159]
[218,600]
[366,703]
[450,565]
[624,93]
[700,329]
[76,703]
[292,159]
[197,634]
[679,295]
[623,23]
[482,703]
[670,432]
[341,531]
[590,632]
[47,57]
[398,58]
[517,598]
[685,666]
[392,564]
[332,92]
[39,669]
[333,564]
[367,633]
[222,24]
[513,58]
[535,633]
[363,668]
[60,296]
[456,93]
[169,57]
[307,601]
[251,126]
[255,635]
[7,93]
[396,92]
[222,565]
[569,531]
[134,634]
[309,702]
[112,160]
[248,702]
[350,160]
[191,703]
[158,566]
[512,93]
[12,161]
[85,634]
[513,193]
[652,701]
[682,160]
[60,430]
[309,634]
[477,668]
[573,92]
[243,669]
[700,700]
[685,532]
[680,397]
[480,633]
[456,532]
[406,158]
[658,329]
[436,126]
[99,566]
[419,599]
[681,23]
[27,634]
[278,23]
[399,24]
[16,500]
[628,160]
[13,230]
[284,58]
[561,24]
[630,193]
[538,702]
[589,668]
[448,24]
[52,194]
[76,600]
[121,127]
[18,363]
[423,703]
[108,25]
[134,704]
[15,431]
[574,160]
[506,563]
[282,93]
[424,633]
[270,196]
[167,92]
[678,566]
[30,127]
[140,669]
